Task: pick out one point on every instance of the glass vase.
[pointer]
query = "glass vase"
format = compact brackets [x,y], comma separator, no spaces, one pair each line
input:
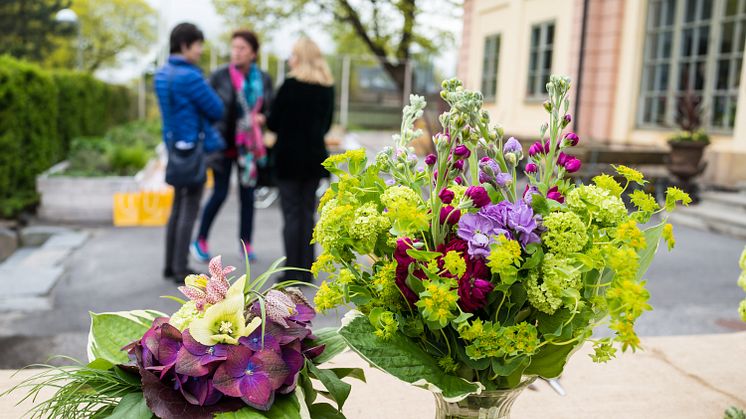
[494,404]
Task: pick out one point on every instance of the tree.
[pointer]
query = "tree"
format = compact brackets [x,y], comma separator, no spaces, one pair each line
[391,30]
[27,27]
[108,28]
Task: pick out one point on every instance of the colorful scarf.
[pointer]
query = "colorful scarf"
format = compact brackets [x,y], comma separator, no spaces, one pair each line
[249,139]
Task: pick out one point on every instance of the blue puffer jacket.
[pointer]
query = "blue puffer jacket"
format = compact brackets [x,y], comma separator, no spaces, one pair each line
[188,104]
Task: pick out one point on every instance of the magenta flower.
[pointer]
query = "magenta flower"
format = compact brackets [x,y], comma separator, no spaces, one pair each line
[449,215]
[566,120]
[459,180]
[252,376]
[161,345]
[572,165]
[562,159]
[571,138]
[472,293]
[536,148]
[403,260]
[462,151]
[554,194]
[195,359]
[431,159]
[458,165]
[446,196]
[478,196]
[531,168]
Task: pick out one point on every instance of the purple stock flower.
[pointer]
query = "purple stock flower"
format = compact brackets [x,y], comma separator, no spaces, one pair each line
[502,180]
[194,358]
[459,180]
[531,168]
[458,165]
[390,182]
[430,159]
[478,196]
[572,165]
[446,196]
[547,145]
[488,168]
[529,192]
[513,146]
[521,220]
[566,120]
[462,151]
[252,376]
[477,230]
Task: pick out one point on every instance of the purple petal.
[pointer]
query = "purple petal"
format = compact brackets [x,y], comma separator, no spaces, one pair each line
[189,364]
[295,361]
[191,344]
[257,391]
[313,352]
[225,382]
[169,344]
[305,313]
[271,363]
[254,341]
[238,357]
[199,391]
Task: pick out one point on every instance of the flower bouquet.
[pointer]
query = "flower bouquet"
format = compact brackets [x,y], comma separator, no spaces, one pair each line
[470,285]
[230,351]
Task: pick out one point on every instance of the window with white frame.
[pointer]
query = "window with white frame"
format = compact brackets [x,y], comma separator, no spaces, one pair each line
[540,59]
[693,52]
[490,67]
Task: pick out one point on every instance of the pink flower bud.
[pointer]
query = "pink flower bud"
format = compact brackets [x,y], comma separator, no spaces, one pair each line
[430,159]
[449,214]
[554,194]
[478,196]
[572,165]
[572,138]
[458,165]
[446,196]
[531,168]
[462,151]
[562,159]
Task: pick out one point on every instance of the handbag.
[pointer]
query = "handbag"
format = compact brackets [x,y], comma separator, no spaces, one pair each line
[186,167]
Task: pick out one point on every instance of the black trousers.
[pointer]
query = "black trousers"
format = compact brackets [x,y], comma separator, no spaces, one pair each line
[298,202]
[179,229]
[221,170]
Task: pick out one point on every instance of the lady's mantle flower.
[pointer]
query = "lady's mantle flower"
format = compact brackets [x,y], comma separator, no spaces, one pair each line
[742,310]
[673,195]
[437,303]
[223,323]
[630,174]
[607,182]
[328,297]
[565,233]
[629,233]
[505,253]
[454,263]
[492,340]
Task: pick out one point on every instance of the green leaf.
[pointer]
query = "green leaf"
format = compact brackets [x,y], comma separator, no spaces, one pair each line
[539,204]
[100,364]
[335,344]
[652,238]
[415,284]
[132,406]
[401,357]
[359,295]
[505,368]
[285,406]
[338,389]
[550,360]
[423,255]
[356,373]
[111,331]
[552,324]
[324,411]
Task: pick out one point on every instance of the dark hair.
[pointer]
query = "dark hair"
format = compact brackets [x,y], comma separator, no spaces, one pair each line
[249,37]
[184,34]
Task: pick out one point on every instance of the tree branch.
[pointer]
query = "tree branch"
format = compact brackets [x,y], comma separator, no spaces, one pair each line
[352,17]
[409,10]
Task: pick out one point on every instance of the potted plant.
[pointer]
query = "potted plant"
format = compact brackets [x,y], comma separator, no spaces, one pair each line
[688,145]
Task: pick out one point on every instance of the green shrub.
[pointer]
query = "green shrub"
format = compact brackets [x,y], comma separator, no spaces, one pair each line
[40,113]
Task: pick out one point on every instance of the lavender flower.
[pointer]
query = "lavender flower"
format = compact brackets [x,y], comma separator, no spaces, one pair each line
[512,146]
[477,230]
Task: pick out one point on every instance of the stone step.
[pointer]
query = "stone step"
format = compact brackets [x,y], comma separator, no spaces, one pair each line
[732,200]
[712,216]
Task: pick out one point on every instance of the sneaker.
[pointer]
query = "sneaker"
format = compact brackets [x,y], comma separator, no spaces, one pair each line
[243,250]
[199,251]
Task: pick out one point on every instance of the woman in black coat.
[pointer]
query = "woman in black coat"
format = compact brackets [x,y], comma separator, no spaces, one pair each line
[301,115]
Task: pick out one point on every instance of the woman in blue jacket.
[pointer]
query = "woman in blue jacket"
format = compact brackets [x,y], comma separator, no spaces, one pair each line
[188,106]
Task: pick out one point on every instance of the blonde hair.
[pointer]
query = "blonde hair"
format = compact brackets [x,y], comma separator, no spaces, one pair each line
[310,65]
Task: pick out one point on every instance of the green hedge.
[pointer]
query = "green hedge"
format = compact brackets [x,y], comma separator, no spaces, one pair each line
[40,112]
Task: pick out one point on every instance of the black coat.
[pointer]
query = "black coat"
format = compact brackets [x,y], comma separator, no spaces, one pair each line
[301,115]
[220,80]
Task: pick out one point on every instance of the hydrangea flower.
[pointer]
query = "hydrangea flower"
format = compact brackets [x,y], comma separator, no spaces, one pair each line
[252,376]
[565,233]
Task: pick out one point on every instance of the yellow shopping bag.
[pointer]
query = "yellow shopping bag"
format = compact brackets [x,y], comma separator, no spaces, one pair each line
[126,209]
[210,182]
[155,207]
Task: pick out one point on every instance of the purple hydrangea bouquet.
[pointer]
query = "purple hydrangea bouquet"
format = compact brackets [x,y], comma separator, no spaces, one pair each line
[230,351]
[469,285]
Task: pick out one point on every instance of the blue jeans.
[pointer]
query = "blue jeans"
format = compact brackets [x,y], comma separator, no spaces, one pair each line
[221,169]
